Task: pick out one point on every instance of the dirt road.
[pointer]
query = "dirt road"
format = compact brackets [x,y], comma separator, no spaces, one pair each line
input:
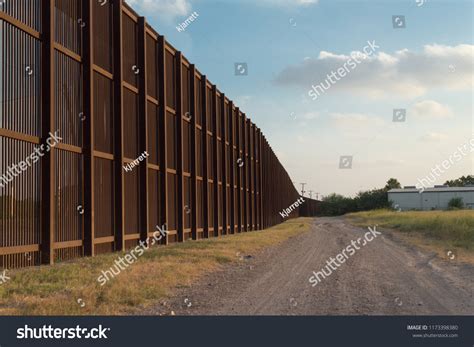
[383,277]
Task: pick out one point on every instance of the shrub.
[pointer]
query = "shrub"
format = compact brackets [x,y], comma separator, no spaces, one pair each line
[372,200]
[456,204]
[336,205]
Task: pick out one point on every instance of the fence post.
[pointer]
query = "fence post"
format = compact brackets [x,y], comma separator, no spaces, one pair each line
[258,223]
[254,179]
[224,163]
[239,168]
[260,181]
[252,175]
[231,168]
[88,92]
[264,181]
[143,130]
[118,127]
[205,157]
[162,141]
[245,170]
[179,147]
[48,213]
[249,175]
[193,154]
[215,164]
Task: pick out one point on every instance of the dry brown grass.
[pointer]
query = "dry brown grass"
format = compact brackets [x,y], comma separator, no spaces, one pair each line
[55,290]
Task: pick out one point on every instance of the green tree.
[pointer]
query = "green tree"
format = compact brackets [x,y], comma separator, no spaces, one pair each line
[461,181]
[392,183]
[336,205]
[372,199]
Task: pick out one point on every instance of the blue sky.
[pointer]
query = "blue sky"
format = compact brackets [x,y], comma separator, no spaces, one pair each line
[289,45]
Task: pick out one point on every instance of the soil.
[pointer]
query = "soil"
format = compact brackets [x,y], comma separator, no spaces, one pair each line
[385,277]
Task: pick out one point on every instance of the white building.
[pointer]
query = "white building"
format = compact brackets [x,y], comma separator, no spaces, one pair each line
[437,198]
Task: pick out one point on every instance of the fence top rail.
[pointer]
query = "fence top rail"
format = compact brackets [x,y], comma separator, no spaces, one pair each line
[130,11]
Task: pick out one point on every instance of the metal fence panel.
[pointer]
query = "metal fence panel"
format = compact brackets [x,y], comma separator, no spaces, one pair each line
[114,88]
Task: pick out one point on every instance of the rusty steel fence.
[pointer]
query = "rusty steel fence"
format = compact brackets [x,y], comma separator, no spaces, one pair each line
[115,90]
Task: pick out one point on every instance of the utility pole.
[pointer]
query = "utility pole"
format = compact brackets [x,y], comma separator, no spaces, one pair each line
[310,194]
[317,196]
[302,188]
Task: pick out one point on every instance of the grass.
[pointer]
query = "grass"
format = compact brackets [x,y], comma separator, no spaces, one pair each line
[71,288]
[439,230]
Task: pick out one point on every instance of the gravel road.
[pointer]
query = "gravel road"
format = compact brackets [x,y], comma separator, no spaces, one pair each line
[384,277]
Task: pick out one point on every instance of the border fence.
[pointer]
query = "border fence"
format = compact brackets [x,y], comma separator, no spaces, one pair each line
[115,90]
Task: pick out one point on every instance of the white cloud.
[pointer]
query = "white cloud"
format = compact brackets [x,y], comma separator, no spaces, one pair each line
[430,109]
[167,9]
[356,121]
[311,115]
[402,74]
[171,9]
[305,119]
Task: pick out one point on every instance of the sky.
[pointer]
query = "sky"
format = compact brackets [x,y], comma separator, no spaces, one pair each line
[345,140]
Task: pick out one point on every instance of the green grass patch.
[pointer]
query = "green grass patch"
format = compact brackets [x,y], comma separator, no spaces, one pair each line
[452,228]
